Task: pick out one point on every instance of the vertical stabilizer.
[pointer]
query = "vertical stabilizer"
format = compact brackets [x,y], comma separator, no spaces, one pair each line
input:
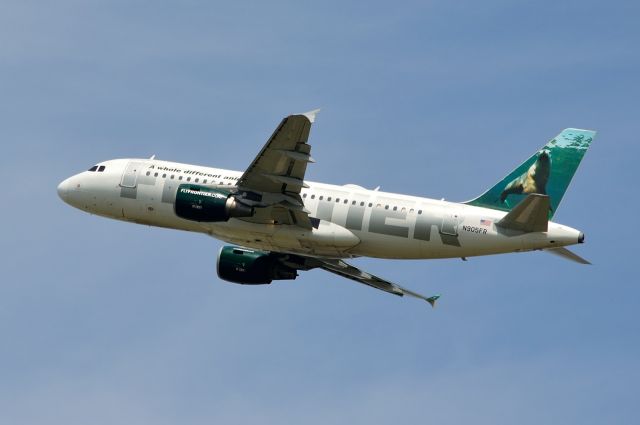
[548,172]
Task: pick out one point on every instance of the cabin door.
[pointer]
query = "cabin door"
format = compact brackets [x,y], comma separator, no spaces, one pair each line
[130,175]
[450,224]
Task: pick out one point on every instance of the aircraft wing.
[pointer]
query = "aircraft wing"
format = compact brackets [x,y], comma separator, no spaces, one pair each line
[273,181]
[343,269]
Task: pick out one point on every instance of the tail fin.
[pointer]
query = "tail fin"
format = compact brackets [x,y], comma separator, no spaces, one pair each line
[547,172]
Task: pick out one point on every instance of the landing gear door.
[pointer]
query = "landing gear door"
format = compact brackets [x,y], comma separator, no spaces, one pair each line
[450,224]
[130,175]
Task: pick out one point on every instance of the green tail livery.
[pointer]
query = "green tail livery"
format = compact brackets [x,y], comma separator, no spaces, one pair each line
[548,172]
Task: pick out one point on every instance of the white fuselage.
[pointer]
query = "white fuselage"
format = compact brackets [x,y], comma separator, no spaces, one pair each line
[353,221]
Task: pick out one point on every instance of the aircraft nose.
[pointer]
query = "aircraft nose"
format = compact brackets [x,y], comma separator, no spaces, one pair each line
[63,189]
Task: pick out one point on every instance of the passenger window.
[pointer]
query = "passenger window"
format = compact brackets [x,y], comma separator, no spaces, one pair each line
[386,207]
[321,197]
[101,168]
[179,177]
[197,180]
[172,176]
[362,204]
[148,173]
[313,196]
[337,200]
[155,175]
[164,176]
[353,202]
[204,181]
[411,210]
[94,168]
[188,179]
[395,208]
[419,211]
[304,195]
[329,199]
[370,204]
[347,201]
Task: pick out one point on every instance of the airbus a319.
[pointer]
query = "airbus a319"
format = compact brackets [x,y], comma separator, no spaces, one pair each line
[279,224]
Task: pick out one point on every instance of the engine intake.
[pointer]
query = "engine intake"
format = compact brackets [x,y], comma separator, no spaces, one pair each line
[249,267]
[200,203]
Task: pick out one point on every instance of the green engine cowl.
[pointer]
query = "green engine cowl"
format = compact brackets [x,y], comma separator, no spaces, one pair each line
[201,203]
[249,267]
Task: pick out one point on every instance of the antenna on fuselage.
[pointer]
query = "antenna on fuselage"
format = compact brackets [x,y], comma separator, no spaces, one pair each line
[153,156]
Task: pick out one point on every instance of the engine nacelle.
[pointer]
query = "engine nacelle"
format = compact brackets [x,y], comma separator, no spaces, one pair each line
[250,267]
[200,203]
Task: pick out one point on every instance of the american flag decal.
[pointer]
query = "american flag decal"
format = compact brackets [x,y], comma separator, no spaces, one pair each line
[484,222]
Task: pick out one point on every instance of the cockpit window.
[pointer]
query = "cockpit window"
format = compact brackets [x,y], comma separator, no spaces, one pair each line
[94,168]
[101,168]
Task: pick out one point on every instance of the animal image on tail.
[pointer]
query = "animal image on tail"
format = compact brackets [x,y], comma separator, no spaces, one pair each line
[533,181]
[547,172]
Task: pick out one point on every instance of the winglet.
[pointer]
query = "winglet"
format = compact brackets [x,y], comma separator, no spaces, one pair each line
[311,115]
[432,300]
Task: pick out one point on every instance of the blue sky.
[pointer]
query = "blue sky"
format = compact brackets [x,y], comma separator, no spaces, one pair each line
[107,322]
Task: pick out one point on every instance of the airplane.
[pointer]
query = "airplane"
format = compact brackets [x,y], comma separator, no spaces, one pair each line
[279,224]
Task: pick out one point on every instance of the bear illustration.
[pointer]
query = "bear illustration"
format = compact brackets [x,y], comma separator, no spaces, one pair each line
[533,181]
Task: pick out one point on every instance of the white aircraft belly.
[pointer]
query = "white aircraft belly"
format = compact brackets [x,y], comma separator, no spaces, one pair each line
[328,239]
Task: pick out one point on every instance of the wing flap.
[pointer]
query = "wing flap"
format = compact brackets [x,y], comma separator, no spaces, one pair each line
[290,181]
[298,156]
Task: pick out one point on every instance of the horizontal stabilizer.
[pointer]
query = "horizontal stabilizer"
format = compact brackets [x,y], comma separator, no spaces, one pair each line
[530,215]
[565,253]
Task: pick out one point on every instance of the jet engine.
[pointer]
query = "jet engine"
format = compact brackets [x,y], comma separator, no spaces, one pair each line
[250,267]
[201,203]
